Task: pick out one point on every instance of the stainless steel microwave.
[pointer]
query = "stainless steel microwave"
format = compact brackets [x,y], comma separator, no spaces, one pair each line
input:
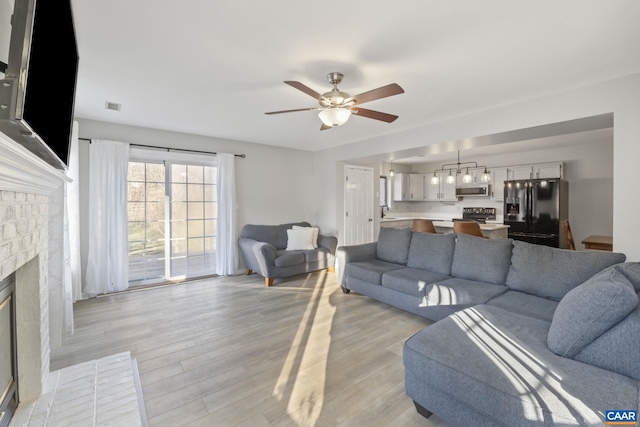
[475,191]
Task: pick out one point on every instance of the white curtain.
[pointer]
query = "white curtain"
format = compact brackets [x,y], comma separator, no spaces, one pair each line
[107,264]
[73,216]
[226,237]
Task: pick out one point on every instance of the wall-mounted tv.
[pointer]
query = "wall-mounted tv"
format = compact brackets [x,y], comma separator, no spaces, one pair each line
[37,90]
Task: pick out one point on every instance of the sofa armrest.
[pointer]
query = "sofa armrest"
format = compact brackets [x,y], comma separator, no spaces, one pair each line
[355,253]
[258,256]
[328,242]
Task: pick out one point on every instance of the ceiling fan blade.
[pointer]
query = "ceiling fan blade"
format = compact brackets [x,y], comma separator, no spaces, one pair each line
[306,89]
[377,115]
[381,92]
[293,111]
[325,127]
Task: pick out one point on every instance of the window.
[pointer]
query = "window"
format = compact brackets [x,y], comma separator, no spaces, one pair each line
[172,212]
[383,191]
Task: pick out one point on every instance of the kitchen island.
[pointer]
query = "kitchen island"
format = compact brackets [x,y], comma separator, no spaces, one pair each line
[491,231]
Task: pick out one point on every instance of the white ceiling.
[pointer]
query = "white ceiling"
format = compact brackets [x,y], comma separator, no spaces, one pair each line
[214,67]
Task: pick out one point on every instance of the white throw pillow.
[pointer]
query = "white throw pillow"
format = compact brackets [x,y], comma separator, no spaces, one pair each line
[316,231]
[300,239]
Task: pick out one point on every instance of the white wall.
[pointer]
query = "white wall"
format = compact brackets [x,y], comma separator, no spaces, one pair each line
[620,97]
[273,184]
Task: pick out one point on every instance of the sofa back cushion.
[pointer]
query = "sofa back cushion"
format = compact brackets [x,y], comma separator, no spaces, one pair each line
[483,260]
[618,349]
[432,252]
[275,235]
[589,310]
[630,270]
[393,245]
[550,272]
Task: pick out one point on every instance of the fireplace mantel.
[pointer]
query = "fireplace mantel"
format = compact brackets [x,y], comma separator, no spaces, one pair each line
[22,171]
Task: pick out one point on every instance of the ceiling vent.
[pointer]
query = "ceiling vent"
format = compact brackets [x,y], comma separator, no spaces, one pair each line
[112,106]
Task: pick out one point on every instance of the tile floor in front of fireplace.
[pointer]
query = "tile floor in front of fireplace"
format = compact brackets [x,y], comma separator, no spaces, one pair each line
[95,393]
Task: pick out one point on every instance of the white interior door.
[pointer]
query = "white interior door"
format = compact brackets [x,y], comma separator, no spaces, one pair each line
[358,205]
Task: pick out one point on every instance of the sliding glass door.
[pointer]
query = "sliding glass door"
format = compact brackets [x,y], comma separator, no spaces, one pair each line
[174,200]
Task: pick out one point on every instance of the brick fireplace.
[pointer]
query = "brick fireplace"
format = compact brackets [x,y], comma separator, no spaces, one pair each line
[25,185]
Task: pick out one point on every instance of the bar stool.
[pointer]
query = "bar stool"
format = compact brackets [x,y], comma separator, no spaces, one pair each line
[423,226]
[467,227]
[568,236]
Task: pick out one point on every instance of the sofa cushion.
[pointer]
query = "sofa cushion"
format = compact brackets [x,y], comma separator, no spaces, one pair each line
[618,349]
[432,252]
[551,273]
[411,281]
[393,245]
[526,304]
[459,292]
[275,235]
[317,255]
[483,260]
[589,310]
[631,271]
[497,363]
[370,271]
[286,258]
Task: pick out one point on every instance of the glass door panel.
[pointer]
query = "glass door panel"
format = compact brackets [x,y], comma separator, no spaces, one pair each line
[174,201]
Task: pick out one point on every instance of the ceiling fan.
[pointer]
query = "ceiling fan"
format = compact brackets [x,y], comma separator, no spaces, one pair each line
[336,106]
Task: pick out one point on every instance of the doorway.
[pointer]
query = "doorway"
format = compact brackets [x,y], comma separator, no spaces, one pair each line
[358,205]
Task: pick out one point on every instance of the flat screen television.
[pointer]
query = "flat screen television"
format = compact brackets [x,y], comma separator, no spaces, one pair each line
[37,91]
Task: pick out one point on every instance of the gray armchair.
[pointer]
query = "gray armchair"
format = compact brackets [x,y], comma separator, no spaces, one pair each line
[264,250]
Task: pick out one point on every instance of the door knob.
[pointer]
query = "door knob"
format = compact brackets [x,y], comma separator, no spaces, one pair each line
[370,219]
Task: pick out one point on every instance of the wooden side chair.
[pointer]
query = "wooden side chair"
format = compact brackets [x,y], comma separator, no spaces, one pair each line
[423,226]
[568,236]
[467,227]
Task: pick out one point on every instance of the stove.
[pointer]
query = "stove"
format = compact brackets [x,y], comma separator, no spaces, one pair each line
[481,215]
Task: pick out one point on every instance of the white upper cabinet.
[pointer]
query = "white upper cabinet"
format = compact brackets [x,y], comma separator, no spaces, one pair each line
[440,192]
[547,170]
[408,187]
[520,172]
[498,177]
[417,187]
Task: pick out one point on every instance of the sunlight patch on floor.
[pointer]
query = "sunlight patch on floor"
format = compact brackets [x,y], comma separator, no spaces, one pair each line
[303,375]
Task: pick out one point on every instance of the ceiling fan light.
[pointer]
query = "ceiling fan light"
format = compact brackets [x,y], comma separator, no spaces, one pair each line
[334,117]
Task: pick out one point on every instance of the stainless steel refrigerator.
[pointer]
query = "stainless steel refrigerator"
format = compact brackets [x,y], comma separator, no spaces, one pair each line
[534,208]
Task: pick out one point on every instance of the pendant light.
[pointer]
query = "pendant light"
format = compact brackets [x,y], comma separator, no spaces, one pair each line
[467,178]
[391,172]
[434,179]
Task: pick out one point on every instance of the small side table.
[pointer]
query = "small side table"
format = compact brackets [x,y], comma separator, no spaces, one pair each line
[601,243]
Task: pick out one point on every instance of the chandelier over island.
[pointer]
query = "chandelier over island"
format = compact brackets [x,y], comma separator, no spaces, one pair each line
[459,166]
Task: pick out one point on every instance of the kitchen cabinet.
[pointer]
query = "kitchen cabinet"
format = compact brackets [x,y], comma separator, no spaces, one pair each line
[536,171]
[476,178]
[440,192]
[408,187]
[547,170]
[498,177]
[520,172]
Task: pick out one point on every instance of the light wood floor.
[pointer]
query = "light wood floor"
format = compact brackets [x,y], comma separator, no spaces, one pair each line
[231,352]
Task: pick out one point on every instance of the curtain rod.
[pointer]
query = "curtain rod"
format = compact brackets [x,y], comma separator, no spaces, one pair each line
[170,149]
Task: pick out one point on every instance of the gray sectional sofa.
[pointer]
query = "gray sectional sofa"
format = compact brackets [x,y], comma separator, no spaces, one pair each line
[264,250]
[526,335]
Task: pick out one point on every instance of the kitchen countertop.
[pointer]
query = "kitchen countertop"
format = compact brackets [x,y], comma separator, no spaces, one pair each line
[488,227]
[441,222]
